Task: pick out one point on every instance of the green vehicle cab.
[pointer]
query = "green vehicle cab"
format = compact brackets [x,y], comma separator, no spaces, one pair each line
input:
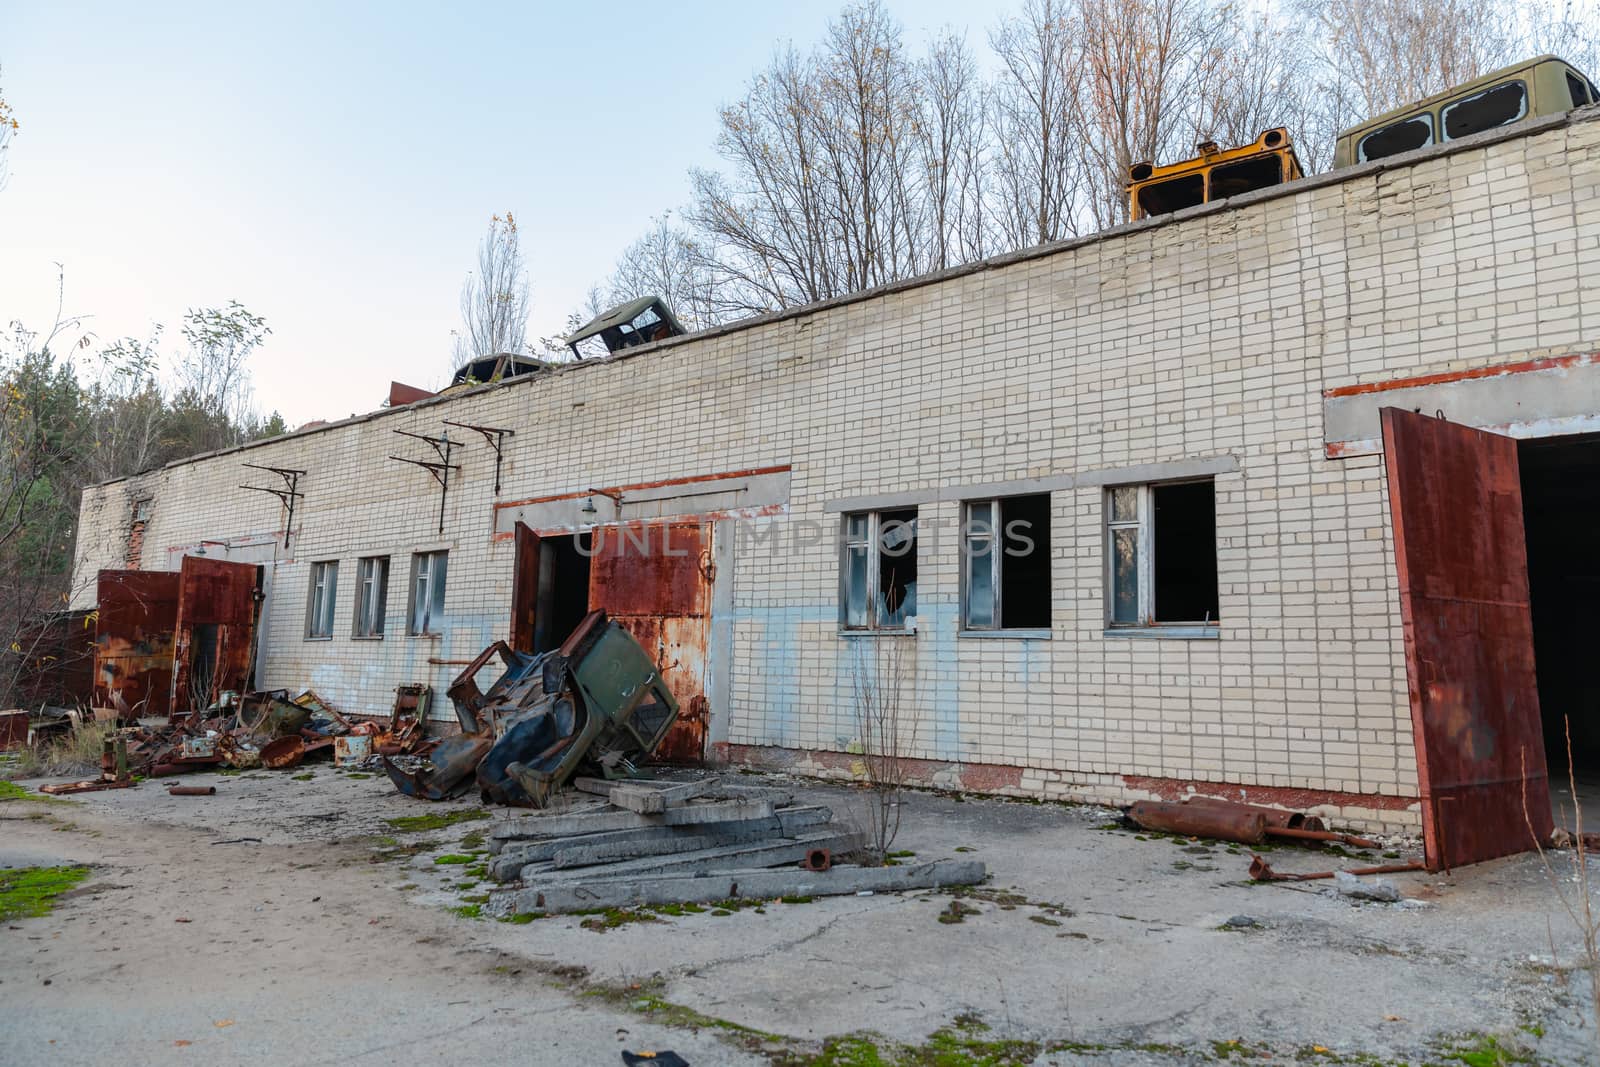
[1545,85]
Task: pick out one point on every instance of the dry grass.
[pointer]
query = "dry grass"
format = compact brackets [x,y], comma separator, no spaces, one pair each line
[1579,900]
[76,754]
[886,729]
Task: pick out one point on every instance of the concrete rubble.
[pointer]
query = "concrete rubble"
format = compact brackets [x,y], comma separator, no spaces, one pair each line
[682,842]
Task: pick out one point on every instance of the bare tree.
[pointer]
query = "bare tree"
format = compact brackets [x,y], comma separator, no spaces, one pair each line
[1144,65]
[824,196]
[886,733]
[127,409]
[8,129]
[954,153]
[495,301]
[1036,177]
[213,404]
[1259,81]
[1376,55]
[669,262]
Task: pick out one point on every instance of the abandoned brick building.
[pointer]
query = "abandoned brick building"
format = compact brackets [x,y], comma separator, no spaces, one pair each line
[1185,413]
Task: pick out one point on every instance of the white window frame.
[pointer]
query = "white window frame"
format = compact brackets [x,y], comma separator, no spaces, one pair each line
[871,543]
[372,594]
[1143,524]
[995,535]
[425,600]
[322,600]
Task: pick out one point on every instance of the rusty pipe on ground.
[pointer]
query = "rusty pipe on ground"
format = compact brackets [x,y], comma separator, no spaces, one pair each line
[192,791]
[1222,823]
[1279,817]
[1261,871]
[1321,835]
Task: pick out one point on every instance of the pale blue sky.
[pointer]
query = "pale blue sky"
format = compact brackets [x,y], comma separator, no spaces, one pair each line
[332,167]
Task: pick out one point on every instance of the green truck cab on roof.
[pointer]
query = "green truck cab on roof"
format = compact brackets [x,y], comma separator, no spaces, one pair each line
[1544,85]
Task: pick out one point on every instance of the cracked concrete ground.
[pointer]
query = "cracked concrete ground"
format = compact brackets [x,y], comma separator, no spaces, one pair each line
[319,932]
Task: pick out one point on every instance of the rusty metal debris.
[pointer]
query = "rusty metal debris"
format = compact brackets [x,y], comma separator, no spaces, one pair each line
[114,771]
[596,702]
[192,790]
[1247,824]
[1261,871]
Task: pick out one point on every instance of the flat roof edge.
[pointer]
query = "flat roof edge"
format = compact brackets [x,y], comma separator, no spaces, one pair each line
[1340,176]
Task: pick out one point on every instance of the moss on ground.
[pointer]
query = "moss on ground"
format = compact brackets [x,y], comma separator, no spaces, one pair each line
[13,791]
[30,892]
[452,857]
[416,824]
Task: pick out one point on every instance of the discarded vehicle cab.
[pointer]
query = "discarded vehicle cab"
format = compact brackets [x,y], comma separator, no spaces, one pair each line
[1212,175]
[1544,85]
[596,702]
[637,322]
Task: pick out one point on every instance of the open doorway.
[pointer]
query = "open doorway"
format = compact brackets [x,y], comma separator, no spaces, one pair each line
[552,588]
[1561,517]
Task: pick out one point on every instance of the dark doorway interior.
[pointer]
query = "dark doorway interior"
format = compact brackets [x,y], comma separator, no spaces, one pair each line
[563,598]
[1561,516]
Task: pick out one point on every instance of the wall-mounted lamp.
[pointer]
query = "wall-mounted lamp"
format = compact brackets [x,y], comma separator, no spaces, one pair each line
[201,550]
[614,496]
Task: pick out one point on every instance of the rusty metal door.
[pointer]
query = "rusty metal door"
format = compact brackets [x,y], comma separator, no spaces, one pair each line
[133,635]
[1456,498]
[215,644]
[524,589]
[655,579]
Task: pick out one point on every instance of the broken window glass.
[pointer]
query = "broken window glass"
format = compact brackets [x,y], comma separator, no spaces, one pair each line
[1007,554]
[897,567]
[1396,137]
[1496,106]
[878,571]
[1576,90]
[1247,175]
[1161,548]
[1165,197]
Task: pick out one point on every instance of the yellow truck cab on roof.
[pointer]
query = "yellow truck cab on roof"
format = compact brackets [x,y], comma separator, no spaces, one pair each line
[1544,85]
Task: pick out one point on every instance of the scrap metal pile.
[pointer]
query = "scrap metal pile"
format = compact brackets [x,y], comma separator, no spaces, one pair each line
[586,715]
[265,729]
[655,841]
[597,703]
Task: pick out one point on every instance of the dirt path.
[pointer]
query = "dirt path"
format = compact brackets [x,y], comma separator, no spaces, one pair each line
[320,930]
[291,953]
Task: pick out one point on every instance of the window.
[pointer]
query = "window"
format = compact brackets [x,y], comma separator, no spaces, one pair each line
[372,590]
[1006,553]
[878,572]
[1165,197]
[1161,556]
[427,592]
[324,590]
[1396,137]
[1576,90]
[1496,106]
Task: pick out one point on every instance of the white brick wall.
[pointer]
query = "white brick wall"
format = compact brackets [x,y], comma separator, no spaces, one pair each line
[1205,336]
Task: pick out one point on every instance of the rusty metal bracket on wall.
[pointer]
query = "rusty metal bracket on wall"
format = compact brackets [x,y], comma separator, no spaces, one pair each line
[495,437]
[286,496]
[440,469]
